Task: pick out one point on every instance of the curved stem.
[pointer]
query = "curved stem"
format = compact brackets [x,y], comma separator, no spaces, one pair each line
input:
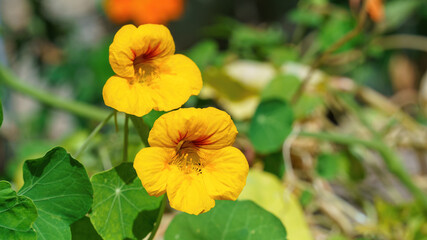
[159,218]
[347,140]
[93,134]
[403,41]
[77,108]
[126,138]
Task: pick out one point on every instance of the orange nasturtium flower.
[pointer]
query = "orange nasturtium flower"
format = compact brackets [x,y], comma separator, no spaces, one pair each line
[191,158]
[119,11]
[149,74]
[375,10]
[143,11]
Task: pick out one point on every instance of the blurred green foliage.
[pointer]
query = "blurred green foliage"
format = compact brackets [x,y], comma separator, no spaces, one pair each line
[216,34]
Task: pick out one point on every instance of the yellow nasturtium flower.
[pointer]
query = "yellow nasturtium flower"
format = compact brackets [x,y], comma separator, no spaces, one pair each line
[191,158]
[149,74]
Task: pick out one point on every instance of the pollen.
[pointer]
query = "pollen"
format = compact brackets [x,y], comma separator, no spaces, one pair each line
[145,73]
[187,158]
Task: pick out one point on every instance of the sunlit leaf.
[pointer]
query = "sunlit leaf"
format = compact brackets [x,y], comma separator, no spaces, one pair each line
[233,220]
[17,213]
[266,190]
[60,189]
[122,209]
[281,87]
[227,86]
[270,126]
[252,74]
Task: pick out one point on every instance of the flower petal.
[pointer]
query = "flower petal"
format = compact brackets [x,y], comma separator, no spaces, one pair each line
[224,172]
[133,99]
[187,192]
[153,40]
[179,78]
[207,128]
[152,166]
[133,45]
[121,56]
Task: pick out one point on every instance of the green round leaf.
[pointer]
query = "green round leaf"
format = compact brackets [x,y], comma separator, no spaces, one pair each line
[281,87]
[60,188]
[121,206]
[234,220]
[270,125]
[83,229]
[17,213]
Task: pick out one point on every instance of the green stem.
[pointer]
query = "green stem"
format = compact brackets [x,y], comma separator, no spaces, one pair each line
[393,162]
[126,138]
[142,129]
[347,140]
[77,108]
[116,125]
[93,134]
[159,218]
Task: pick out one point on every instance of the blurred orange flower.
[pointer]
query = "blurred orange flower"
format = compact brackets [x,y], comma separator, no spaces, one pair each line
[375,10]
[144,11]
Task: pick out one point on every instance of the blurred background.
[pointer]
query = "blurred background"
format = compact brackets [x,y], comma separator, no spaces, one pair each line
[372,86]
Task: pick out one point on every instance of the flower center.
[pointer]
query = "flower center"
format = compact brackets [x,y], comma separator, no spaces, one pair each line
[145,72]
[187,158]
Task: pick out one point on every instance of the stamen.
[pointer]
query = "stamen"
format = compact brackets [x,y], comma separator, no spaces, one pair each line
[146,73]
[187,158]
